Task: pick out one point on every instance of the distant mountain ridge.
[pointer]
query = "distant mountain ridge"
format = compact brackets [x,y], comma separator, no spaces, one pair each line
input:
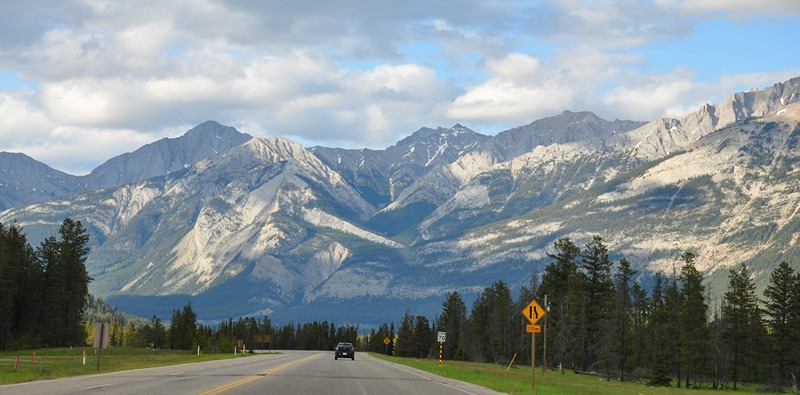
[267,226]
[167,155]
[24,180]
[381,175]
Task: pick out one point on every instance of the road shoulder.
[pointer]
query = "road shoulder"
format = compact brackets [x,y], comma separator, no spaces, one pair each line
[468,388]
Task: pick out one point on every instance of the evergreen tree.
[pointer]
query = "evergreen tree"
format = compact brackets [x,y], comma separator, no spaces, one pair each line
[622,336]
[53,291]
[175,332]
[695,334]
[558,282]
[720,352]
[73,249]
[422,337]
[453,322]
[641,311]
[479,337]
[779,303]
[794,322]
[23,279]
[598,292]
[10,253]
[157,333]
[743,319]
[129,337]
[392,338]
[405,343]
[189,328]
[659,335]
[671,328]
[500,322]
[490,335]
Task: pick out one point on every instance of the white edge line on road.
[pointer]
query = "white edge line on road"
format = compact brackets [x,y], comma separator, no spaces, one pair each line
[96,387]
[426,378]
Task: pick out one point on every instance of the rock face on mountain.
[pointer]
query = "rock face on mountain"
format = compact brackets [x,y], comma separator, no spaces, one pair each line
[380,176]
[270,227]
[664,136]
[23,180]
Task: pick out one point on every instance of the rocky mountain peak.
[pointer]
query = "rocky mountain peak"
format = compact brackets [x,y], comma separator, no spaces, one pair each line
[663,136]
[567,127]
[167,155]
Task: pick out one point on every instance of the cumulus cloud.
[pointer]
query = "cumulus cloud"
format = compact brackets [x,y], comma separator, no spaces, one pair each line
[740,9]
[525,87]
[104,77]
[607,24]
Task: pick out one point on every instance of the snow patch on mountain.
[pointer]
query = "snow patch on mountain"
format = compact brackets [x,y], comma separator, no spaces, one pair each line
[320,218]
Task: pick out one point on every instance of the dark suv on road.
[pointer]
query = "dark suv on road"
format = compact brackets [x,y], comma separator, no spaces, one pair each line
[345,350]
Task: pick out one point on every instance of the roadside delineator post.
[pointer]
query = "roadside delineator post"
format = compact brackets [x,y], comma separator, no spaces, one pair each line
[33,359]
[512,362]
[16,365]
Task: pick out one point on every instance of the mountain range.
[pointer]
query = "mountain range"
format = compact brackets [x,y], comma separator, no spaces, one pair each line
[251,226]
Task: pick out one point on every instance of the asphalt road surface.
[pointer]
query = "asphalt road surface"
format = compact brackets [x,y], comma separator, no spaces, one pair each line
[291,372]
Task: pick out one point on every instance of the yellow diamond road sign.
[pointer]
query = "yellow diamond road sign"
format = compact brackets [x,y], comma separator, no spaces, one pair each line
[533,312]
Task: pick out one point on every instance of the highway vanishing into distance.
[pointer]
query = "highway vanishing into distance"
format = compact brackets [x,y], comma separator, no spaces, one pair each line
[289,372]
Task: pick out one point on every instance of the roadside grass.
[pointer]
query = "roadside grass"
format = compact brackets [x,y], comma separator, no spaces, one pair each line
[517,380]
[53,363]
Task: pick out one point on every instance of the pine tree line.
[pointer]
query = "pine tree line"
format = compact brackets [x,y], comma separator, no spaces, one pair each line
[601,321]
[43,291]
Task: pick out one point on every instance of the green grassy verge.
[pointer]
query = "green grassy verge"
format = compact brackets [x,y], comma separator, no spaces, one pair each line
[52,363]
[517,380]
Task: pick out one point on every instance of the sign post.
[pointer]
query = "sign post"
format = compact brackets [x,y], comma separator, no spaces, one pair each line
[100,339]
[386,341]
[441,338]
[262,339]
[544,351]
[533,312]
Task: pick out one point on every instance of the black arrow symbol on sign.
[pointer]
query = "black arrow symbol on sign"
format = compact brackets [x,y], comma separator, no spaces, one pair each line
[531,311]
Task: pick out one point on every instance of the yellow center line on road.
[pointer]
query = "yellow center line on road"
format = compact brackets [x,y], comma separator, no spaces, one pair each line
[256,377]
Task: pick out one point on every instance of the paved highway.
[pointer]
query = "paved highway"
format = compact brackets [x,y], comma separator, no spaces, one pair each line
[291,372]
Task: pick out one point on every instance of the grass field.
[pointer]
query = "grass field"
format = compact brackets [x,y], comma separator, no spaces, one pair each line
[63,362]
[517,380]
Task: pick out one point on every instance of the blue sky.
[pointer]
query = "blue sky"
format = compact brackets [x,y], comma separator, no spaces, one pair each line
[84,80]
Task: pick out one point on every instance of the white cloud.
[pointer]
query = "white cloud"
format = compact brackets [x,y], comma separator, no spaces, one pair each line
[146,69]
[518,89]
[522,88]
[740,9]
[21,121]
[607,24]
[651,96]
